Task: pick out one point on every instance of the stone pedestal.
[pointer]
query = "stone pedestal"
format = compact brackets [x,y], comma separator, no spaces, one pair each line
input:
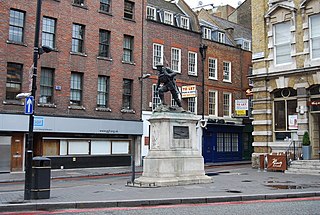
[174,157]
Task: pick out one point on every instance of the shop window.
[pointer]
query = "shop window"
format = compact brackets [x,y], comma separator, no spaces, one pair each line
[285,116]
[100,147]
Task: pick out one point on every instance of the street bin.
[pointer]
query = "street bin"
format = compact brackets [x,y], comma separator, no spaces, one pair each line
[41,178]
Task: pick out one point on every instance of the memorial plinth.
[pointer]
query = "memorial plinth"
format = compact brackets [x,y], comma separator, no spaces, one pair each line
[174,157]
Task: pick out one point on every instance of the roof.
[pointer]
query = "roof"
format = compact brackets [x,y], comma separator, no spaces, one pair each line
[166,5]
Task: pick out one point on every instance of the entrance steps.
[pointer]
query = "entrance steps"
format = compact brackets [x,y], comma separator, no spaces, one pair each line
[308,167]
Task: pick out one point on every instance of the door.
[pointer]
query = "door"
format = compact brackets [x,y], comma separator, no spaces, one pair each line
[16,152]
[208,148]
[5,153]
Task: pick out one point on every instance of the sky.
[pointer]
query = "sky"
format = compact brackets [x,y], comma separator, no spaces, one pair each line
[195,3]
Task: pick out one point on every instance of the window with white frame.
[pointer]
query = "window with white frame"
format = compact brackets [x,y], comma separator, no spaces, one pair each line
[103,91]
[78,32]
[155,97]
[206,34]
[213,102]
[76,88]
[227,71]
[176,60]
[315,36]
[48,32]
[173,102]
[227,104]
[250,80]
[192,63]
[282,43]
[184,22]
[16,25]
[128,48]
[213,66]
[157,55]
[151,13]
[192,105]
[246,45]
[46,86]
[221,37]
[168,18]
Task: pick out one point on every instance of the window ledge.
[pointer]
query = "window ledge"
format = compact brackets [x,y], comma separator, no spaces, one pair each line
[103,109]
[131,63]
[17,43]
[79,54]
[106,13]
[76,107]
[192,74]
[127,111]
[47,105]
[227,81]
[13,102]
[131,20]
[80,6]
[213,79]
[104,58]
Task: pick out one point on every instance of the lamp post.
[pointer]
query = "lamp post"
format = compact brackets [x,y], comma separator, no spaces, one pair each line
[203,52]
[29,145]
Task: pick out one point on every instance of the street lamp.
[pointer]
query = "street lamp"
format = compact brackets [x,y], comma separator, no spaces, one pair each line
[29,146]
[203,51]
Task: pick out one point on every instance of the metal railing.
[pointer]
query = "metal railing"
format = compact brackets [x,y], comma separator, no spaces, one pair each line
[294,151]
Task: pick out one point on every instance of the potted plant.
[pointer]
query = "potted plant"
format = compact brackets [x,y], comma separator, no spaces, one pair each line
[306,148]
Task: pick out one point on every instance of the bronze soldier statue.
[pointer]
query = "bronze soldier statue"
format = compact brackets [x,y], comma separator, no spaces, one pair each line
[167,77]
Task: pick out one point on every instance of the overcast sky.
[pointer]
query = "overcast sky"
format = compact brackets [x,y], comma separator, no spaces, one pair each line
[195,3]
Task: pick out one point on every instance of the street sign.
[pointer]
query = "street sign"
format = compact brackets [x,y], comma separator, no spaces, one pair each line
[28,105]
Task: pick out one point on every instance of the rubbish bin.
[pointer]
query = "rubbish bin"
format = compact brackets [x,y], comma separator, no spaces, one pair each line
[41,178]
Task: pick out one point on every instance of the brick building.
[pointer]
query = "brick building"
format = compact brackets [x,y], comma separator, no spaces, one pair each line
[227,134]
[171,37]
[88,103]
[286,75]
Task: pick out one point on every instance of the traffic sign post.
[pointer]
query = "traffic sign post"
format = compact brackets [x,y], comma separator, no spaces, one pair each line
[28,105]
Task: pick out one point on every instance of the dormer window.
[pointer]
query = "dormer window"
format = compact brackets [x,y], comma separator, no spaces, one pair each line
[206,34]
[246,45]
[168,18]
[151,13]
[221,37]
[184,22]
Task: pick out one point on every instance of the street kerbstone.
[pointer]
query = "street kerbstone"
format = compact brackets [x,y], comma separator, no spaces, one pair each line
[193,200]
[55,205]
[18,207]
[223,199]
[96,204]
[301,194]
[134,203]
[277,196]
[253,197]
[164,201]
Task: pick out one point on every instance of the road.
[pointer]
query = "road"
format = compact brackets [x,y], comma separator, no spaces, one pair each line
[299,206]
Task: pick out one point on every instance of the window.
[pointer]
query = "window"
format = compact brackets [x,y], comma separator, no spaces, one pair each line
[213,103]
[105,5]
[184,22]
[14,80]
[16,26]
[192,105]
[127,94]
[227,71]
[128,48]
[128,9]
[104,43]
[168,18]
[78,2]
[103,91]
[76,89]
[212,65]
[315,36]
[282,43]
[206,34]
[157,55]
[192,63]
[227,142]
[46,86]
[78,38]
[176,59]
[227,104]
[151,13]
[285,116]
[246,45]
[250,73]
[48,32]
[155,97]
[221,37]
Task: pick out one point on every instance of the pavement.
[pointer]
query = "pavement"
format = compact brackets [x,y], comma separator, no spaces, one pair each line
[107,187]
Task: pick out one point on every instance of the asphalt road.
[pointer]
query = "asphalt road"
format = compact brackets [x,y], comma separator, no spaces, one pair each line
[300,206]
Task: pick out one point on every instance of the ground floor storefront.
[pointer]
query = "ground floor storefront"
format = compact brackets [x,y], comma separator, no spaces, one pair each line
[69,142]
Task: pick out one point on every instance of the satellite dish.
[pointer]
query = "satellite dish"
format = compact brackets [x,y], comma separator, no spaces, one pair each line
[200,3]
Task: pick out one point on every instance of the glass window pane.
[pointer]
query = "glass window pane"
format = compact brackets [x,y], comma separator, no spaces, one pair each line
[279,115]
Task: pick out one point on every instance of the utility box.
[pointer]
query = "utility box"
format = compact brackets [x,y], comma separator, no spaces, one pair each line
[41,178]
